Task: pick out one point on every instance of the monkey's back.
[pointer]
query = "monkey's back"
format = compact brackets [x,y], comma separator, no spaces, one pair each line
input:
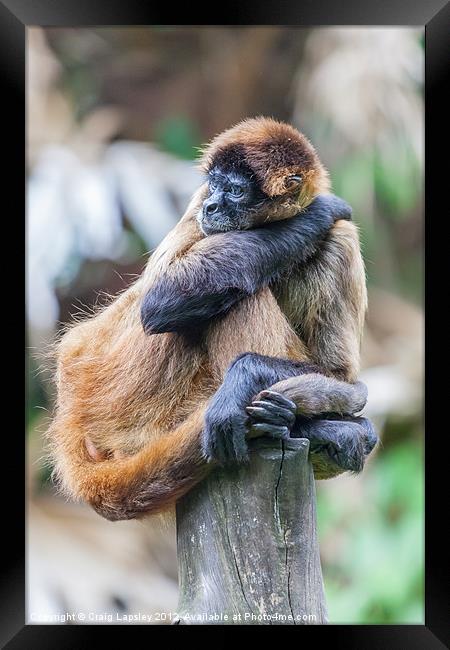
[121,387]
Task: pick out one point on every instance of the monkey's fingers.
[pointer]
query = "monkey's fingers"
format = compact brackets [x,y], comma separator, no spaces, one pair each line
[270,430]
[271,413]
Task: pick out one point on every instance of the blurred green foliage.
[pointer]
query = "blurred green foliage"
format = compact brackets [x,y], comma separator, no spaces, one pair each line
[179,136]
[378,574]
[390,181]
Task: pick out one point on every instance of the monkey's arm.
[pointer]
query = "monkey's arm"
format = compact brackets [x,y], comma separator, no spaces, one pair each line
[331,323]
[327,302]
[222,269]
[331,319]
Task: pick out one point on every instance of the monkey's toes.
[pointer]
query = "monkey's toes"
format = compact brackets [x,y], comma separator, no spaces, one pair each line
[370,435]
[339,442]
[276,398]
[347,457]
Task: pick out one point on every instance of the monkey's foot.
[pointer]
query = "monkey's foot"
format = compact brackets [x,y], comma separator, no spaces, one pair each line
[272,414]
[338,445]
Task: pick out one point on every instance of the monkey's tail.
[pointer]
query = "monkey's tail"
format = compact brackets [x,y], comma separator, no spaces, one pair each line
[126,488]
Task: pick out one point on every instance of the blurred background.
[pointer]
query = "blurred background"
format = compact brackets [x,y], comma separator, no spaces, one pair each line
[115,117]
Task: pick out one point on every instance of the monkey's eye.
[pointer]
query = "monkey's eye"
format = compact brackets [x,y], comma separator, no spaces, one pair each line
[237,190]
[292,182]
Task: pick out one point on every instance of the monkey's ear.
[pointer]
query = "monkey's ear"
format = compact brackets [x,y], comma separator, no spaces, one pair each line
[292,182]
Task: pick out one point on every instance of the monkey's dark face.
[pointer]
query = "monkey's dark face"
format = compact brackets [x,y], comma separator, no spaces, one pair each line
[234,202]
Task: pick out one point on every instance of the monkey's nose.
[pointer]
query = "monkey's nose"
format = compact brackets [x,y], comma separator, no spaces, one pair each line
[211,208]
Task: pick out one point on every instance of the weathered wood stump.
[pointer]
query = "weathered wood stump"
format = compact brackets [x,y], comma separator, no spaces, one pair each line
[247,542]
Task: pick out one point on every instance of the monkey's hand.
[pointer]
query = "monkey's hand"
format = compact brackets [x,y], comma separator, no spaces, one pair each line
[336,207]
[228,429]
[271,415]
[224,434]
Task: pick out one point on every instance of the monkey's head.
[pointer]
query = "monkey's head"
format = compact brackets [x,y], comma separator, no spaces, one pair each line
[258,171]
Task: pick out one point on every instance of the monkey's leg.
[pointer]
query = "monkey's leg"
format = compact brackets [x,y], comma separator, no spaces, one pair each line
[130,487]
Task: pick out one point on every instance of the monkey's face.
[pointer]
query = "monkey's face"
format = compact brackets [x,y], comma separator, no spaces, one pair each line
[234,202]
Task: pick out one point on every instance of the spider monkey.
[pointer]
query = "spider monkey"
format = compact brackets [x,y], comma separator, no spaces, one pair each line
[245,322]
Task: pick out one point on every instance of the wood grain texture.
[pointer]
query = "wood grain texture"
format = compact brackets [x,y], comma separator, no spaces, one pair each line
[247,542]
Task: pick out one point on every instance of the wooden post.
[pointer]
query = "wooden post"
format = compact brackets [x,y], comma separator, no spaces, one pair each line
[247,542]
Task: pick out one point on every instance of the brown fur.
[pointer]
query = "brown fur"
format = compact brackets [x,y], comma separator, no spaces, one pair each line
[274,151]
[126,432]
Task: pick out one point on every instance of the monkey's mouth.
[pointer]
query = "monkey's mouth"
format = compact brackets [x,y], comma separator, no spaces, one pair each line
[216,227]
[210,229]
[222,222]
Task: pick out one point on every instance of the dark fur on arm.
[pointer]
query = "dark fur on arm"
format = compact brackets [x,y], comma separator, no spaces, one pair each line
[222,269]
[323,411]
